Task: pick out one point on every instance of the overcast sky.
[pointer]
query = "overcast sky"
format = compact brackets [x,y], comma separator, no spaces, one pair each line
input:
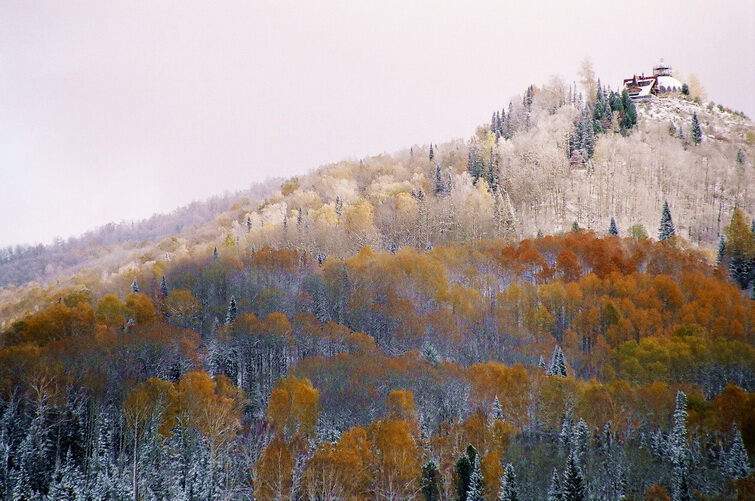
[113,111]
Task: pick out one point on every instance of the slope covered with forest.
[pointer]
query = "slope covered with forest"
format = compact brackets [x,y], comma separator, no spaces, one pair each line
[489,319]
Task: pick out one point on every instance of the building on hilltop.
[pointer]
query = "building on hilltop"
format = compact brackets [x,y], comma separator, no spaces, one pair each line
[661,81]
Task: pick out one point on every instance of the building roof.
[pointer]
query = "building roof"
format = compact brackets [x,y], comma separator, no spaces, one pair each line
[669,83]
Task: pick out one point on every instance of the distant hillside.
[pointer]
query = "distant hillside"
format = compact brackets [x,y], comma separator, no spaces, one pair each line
[26,263]
[545,162]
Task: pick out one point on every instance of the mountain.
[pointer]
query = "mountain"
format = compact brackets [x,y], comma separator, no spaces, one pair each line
[491,318]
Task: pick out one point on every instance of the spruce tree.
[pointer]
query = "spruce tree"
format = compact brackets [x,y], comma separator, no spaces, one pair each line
[232,311]
[163,288]
[440,186]
[215,253]
[508,490]
[737,462]
[463,472]
[475,488]
[685,89]
[557,366]
[134,286]
[697,132]
[721,254]
[612,228]
[554,490]
[248,224]
[432,153]
[496,411]
[573,487]
[666,229]
[431,482]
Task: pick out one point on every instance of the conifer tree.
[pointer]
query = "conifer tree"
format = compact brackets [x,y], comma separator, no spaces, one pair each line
[232,311]
[685,89]
[721,254]
[575,226]
[215,253]
[440,186]
[432,153]
[737,462]
[463,473]
[431,482]
[475,488]
[666,229]
[612,228]
[163,288]
[496,411]
[740,249]
[508,490]
[248,224]
[557,366]
[134,286]
[573,487]
[697,132]
[554,490]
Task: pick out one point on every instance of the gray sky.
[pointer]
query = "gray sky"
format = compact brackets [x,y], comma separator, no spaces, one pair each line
[116,110]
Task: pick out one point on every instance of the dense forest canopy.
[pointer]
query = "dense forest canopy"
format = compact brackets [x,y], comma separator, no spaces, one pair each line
[559,308]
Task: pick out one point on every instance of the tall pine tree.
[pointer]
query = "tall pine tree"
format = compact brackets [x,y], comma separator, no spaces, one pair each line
[666,229]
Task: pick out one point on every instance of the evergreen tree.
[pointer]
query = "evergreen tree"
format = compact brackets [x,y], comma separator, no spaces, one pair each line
[740,157]
[232,311]
[740,249]
[554,491]
[557,366]
[475,488]
[697,132]
[685,89]
[163,288]
[581,440]
[737,462]
[566,435]
[573,487]
[508,490]
[575,226]
[496,411]
[134,286]
[432,153]
[612,228]
[215,253]
[678,437]
[431,482]
[248,224]
[666,229]
[463,473]
[440,186]
[721,254]
[629,119]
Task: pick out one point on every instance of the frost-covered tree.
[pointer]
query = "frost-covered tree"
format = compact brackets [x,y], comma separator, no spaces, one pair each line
[554,490]
[431,483]
[432,153]
[134,286]
[612,228]
[232,312]
[475,488]
[163,288]
[666,229]
[737,462]
[678,450]
[697,132]
[508,490]
[557,366]
[441,188]
[573,487]
[496,411]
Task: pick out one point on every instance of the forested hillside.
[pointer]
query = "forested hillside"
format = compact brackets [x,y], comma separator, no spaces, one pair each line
[559,307]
